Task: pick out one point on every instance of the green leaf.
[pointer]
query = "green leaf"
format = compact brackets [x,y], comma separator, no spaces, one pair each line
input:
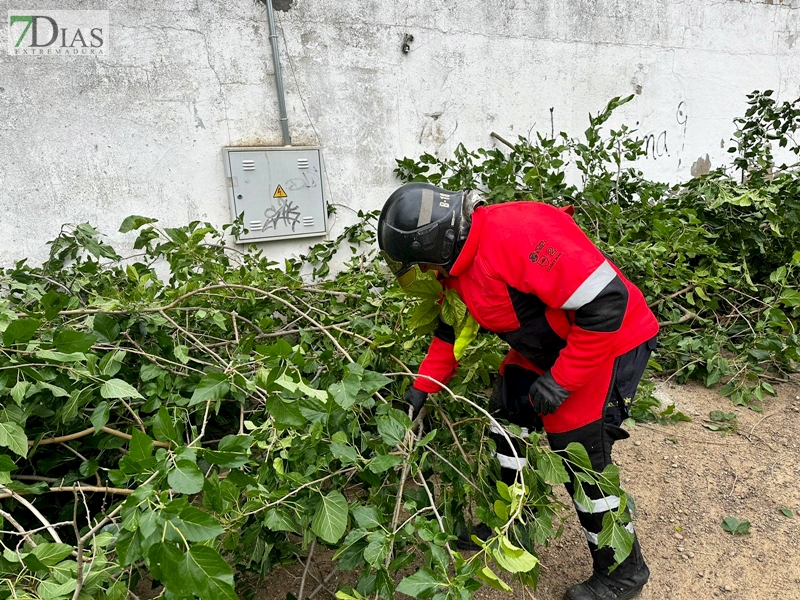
[391,430]
[551,467]
[736,526]
[185,478]
[206,574]
[384,462]
[578,456]
[116,388]
[100,416]
[198,526]
[51,554]
[164,427]
[12,436]
[615,534]
[368,517]
[285,412]
[69,340]
[513,558]
[7,464]
[426,313]
[277,520]
[212,386]
[786,512]
[489,578]
[345,392]
[60,356]
[181,353]
[344,452]
[422,584]
[164,561]
[133,222]
[149,371]
[330,519]
[52,590]
[106,327]
[19,390]
[20,331]
[140,447]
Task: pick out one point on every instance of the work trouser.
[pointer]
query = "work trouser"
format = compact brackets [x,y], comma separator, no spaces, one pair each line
[607,406]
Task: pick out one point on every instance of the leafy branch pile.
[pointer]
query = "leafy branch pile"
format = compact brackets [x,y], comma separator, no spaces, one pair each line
[717,257]
[194,412]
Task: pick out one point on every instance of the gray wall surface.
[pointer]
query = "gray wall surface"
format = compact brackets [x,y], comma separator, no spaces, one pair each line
[140,130]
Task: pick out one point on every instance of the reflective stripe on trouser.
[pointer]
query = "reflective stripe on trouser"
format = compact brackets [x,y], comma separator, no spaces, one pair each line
[597,438]
[509,464]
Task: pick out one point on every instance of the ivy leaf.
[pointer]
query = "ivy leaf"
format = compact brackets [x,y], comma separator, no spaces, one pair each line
[116,388]
[106,327]
[12,436]
[185,478]
[422,584]
[330,519]
[212,386]
[20,331]
[69,340]
[206,574]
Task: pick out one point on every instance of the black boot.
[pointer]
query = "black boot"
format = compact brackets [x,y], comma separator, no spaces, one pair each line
[594,589]
[625,582]
[480,531]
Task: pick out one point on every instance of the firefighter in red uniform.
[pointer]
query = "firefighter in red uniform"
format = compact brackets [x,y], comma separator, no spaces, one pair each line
[580,333]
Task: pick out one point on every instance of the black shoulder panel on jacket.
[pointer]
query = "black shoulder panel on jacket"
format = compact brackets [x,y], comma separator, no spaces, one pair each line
[606,312]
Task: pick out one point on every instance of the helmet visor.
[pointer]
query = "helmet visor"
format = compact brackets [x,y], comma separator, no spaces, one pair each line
[405,274]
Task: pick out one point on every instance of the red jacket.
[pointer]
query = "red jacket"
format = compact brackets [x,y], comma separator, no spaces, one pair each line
[529,274]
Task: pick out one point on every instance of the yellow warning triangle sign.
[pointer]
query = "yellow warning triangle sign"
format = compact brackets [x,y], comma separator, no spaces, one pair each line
[279,193]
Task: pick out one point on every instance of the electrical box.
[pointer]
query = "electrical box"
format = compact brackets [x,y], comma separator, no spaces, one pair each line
[279,190]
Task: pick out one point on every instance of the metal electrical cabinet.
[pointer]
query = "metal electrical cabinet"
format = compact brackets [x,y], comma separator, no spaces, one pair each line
[279,190]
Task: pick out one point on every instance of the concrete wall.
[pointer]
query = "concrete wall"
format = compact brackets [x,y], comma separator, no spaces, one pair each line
[140,131]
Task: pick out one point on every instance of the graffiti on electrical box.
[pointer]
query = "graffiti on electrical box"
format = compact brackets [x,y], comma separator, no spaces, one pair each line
[286,213]
[306,180]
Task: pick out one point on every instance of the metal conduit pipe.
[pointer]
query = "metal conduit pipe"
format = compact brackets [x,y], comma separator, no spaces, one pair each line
[276,61]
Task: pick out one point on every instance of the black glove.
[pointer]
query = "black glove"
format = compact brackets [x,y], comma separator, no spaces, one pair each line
[546,394]
[415,398]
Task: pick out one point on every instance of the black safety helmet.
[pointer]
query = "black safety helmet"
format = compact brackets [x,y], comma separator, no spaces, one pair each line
[419,224]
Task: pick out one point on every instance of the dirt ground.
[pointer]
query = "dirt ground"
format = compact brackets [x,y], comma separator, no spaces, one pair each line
[685,480]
